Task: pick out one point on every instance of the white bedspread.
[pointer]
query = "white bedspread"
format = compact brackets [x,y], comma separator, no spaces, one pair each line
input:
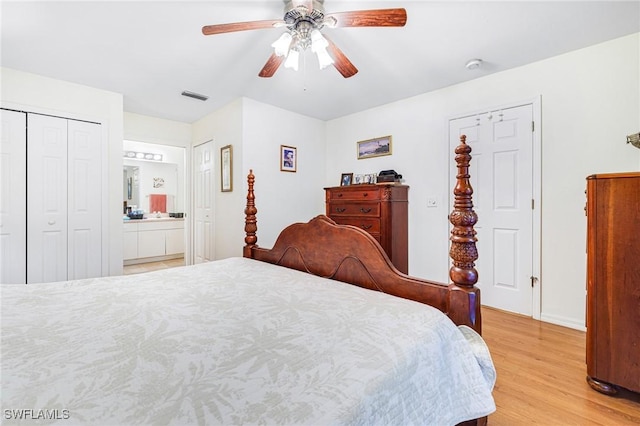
[234,342]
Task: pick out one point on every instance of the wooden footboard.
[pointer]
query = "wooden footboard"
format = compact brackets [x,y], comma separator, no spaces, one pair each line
[349,254]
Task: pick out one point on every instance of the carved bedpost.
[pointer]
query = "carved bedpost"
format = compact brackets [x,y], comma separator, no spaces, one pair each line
[463,239]
[250,221]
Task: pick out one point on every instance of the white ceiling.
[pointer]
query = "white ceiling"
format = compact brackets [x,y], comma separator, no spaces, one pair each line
[150,51]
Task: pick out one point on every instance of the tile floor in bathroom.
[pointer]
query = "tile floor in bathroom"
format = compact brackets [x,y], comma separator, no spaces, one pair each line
[152,266]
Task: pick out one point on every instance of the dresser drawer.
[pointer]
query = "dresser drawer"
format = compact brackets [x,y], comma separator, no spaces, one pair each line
[372,226]
[355,209]
[355,195]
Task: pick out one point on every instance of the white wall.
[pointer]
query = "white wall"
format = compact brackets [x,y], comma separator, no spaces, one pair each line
[224,127]
[143,128]
[30,92]
[256,131]
[590,102]
[282,198]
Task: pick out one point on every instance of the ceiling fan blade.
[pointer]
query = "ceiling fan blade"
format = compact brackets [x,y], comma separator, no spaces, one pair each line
[370,18]
[240,26]
[340,60]
[272,65]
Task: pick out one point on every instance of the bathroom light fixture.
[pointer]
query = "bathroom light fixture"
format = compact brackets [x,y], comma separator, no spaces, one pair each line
[135,155]
[473,64]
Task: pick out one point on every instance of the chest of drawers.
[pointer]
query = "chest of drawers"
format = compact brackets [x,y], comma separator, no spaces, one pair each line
[381,210]
[613,281]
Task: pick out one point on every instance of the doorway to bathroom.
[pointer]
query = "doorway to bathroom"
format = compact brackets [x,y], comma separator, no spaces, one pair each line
[153,206]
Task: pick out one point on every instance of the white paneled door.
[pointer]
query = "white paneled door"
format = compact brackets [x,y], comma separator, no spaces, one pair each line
[203,237]
[13,220]
[502,178]
[64,199]
[84,200]
[46,199]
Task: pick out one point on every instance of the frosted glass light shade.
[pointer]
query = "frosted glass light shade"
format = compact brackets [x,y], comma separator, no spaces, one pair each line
[292,60]
[281,45]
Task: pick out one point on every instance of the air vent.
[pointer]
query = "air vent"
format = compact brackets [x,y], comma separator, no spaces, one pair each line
[195,95]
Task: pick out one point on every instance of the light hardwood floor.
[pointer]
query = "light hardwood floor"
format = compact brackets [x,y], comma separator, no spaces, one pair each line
[541,376]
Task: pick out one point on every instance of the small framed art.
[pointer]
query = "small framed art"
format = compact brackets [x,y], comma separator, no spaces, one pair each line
[226,168]
[374,147]
[288,158]
[346,179]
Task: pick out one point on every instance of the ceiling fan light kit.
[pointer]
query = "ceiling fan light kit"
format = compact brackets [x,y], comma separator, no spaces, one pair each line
[304,20]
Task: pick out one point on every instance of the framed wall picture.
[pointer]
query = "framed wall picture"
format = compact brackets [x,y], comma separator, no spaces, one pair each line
[374,147]
[346,179]
[288,158]
[226,168]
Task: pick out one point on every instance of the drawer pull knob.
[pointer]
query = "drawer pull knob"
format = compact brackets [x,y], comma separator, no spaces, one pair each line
[366,227]
[365,194]
[339,194]
[341,209]
[363,210]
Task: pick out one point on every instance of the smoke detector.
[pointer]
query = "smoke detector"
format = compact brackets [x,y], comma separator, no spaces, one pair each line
[473,64]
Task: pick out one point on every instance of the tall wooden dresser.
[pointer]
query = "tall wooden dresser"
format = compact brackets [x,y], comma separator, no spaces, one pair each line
[381,210]
[613,282]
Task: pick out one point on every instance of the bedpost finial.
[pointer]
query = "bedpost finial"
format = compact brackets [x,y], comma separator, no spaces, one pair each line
[463,239]
[250,221]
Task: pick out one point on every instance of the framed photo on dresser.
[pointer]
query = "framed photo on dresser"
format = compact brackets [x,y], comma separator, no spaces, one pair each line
[346,179]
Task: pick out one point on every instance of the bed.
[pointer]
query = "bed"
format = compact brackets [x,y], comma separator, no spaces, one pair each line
[273,337]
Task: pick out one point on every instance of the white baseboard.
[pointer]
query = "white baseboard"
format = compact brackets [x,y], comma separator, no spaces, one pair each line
[564,321]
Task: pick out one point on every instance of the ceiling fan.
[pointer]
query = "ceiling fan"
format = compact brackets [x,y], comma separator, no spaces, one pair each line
[303,20]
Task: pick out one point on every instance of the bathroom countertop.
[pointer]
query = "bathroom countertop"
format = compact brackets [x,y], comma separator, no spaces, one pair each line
[154,219]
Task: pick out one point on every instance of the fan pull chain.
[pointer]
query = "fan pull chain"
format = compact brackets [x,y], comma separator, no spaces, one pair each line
[304,72]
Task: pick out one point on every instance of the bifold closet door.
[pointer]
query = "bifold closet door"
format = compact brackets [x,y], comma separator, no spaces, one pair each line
[13,218]
[84,206]
[46,199]
[64,211]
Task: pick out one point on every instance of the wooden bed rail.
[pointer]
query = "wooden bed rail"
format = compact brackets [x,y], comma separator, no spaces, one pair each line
[350,254]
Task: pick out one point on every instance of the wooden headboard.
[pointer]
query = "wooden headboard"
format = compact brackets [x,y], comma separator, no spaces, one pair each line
[349,254]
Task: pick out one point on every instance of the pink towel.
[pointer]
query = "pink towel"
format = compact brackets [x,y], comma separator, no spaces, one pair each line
[158,203]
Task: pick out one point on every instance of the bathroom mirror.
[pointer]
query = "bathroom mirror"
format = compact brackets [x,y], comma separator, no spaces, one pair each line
[130,187]
[153,185]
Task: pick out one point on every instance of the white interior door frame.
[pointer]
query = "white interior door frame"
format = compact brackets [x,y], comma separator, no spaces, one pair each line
[13,204]
[188,205]
[536,103]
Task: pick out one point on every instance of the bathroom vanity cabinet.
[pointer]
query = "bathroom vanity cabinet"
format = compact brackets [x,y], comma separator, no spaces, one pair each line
[149,240]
